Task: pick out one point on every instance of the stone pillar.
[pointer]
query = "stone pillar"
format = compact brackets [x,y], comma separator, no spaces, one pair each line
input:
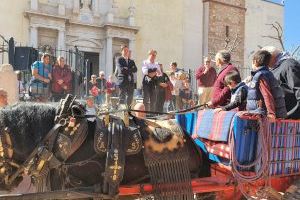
[96,8]
[9,82]
[34,4]
[109,57]
[61,43]
[131,20]
[110,17]
[62,8]
[132,47]
[102,57]
[76,6]
[111,13]
[101,64]
[33,36]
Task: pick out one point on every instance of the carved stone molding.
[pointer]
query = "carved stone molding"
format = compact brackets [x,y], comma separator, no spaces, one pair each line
[120,33]
[84,42]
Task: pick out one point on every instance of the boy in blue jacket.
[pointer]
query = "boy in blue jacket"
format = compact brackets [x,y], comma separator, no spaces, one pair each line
[239,92]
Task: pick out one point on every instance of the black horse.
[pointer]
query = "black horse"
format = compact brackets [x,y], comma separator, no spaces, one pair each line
[29,123]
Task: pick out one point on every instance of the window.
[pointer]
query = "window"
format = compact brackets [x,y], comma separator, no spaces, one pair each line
[227,31]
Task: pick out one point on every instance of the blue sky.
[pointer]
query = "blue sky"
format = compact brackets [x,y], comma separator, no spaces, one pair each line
[292,23]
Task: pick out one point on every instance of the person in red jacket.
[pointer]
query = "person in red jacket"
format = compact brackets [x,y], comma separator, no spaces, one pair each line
[61,79]
[206,76]
[221,94]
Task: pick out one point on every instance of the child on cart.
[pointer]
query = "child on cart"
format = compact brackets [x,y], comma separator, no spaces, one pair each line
[265,96]
[239,91]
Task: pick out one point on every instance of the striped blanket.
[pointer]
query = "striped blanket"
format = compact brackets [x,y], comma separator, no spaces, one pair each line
[214,126]
[285,151]
[221,149]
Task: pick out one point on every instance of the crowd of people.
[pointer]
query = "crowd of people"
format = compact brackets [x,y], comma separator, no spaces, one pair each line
[47,80]
[272,88]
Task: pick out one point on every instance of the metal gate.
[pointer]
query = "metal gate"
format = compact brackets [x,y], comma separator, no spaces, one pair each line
[73,57]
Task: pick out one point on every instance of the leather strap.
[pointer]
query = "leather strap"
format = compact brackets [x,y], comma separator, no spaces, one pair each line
[52,133]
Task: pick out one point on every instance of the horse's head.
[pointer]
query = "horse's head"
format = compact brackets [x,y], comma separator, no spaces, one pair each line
[22,126]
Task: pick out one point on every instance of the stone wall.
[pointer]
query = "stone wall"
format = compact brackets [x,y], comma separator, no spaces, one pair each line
[8,81]
[227,24]
[255,29]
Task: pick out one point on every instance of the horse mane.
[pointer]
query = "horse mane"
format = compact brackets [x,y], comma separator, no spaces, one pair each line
[28,123]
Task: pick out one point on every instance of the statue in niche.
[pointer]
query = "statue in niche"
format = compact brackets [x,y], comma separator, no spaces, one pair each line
[86,5]
[85,14]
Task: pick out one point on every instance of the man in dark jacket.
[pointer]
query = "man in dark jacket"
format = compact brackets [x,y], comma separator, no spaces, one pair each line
[221,93]
[287,71]
[125,70]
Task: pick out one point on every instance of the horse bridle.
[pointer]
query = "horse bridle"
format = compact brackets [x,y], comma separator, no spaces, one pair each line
[6,154]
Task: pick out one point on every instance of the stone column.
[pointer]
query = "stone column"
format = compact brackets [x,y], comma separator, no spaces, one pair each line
[33,36]
[132,47]
[109,57]
[112,12]
[61,43]
[96,8]
[102,57]
[131,20]
[101,63]
[62,7]
[34,4]
[76,6]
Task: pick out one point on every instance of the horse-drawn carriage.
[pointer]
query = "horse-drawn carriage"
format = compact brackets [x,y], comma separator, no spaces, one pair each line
[224,155]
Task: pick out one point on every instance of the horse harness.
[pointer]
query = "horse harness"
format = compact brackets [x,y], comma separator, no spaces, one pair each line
[163,151]
[66,136]
[6,154]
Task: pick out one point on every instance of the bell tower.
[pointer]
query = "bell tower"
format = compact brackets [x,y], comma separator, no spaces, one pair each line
[224,28]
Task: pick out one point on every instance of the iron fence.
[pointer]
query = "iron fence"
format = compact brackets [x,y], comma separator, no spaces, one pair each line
[73,57]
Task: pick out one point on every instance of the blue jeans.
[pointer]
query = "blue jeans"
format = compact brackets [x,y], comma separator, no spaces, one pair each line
[100,99]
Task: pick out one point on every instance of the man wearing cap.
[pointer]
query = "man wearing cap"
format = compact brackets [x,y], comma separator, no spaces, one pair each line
[206,76]
[125,69]
[3,98]
[150,69]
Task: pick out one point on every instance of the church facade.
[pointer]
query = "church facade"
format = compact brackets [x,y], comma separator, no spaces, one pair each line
[180,30]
